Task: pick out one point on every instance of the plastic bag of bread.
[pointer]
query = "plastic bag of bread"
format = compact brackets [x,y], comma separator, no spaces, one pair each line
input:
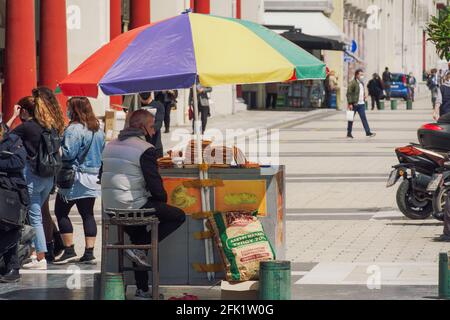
[242,243]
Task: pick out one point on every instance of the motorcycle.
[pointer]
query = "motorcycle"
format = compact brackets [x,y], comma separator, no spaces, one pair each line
[417,167]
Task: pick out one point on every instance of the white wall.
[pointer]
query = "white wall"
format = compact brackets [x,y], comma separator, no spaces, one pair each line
[87,31]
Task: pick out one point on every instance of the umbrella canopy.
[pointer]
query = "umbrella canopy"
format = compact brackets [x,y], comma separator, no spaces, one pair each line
[172,53]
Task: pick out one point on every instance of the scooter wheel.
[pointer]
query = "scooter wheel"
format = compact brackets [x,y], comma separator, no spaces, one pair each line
[410,206]
[439,199]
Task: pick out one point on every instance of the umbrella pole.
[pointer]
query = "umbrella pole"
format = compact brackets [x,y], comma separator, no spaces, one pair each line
[203,175]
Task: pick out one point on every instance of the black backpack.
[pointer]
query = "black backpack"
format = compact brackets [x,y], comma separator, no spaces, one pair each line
[48,158]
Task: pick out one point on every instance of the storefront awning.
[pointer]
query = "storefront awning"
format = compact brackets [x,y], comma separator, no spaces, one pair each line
[308,42]
[310,23]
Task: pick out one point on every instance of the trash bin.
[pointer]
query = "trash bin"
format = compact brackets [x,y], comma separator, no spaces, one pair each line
[394,104]
[409,105]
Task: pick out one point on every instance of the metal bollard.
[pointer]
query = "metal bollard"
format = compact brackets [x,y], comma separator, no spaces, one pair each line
[444,279]
[409,105]
[382,105]
[114,287]
[275,280]
[394,104]
[366,104]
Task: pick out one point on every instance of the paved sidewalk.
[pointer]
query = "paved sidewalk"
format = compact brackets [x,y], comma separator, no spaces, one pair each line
[343,223]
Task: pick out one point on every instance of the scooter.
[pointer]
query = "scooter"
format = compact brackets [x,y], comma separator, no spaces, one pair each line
[440,186]
[417,167]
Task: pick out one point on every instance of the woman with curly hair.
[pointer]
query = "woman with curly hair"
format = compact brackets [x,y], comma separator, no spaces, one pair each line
[40,112]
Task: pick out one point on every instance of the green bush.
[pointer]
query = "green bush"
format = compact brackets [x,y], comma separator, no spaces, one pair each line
[438,31]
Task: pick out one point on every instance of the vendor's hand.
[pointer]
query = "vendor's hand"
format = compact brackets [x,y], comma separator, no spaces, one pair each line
[350,107]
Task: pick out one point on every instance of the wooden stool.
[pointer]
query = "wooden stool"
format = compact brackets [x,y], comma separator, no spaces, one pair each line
[126,218]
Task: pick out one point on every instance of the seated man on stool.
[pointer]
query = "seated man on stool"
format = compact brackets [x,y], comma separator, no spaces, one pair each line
[130,180]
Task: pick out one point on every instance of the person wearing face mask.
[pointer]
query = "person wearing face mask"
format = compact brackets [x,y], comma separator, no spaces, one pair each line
[82,148]
[356,98]
[442,103]
[131,180]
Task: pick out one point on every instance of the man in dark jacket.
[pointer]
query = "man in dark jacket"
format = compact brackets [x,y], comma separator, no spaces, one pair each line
[131,180]
[375,90]
[387,80]
[356,98]
[148,103]
[12,162]
[203,105]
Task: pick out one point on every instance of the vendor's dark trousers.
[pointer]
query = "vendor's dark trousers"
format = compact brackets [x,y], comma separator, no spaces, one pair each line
[361,110]
[375,100]
[271,100]
[85,208]
[9,246]
[168,109]
[170,219]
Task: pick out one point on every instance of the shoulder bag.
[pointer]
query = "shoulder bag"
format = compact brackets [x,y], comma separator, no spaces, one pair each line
[66,176]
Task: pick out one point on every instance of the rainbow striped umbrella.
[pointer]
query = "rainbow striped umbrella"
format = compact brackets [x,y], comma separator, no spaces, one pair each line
[174,53]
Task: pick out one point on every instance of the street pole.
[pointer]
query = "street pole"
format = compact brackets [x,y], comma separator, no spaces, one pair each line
[403,36]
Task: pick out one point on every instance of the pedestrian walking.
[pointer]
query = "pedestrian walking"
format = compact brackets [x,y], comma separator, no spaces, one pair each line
[375,87]
[42,120]
[131,180]
[82,148]
[356,99]
[170,102]
[157,108]
[412,85]
[442,103]
[433,86]
[387,80]
[12,163]
[271,95]
[203,105]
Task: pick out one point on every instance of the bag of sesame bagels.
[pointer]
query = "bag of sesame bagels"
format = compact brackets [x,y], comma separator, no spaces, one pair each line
[242,243]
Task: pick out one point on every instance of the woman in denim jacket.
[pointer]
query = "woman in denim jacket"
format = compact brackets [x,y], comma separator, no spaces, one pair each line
[83,132]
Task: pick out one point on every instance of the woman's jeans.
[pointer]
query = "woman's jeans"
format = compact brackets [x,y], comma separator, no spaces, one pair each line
[39,189]
[361,110]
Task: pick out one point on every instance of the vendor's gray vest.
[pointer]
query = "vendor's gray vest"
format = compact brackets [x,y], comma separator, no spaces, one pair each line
[123,183]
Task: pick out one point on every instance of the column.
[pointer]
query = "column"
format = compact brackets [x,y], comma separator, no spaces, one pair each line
[53,46]
[115,30]
[192,5]
[238,9]
[202,6]
[20,53]
[140,13]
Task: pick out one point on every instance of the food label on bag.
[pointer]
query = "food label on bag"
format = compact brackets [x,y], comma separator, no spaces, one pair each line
[242,243]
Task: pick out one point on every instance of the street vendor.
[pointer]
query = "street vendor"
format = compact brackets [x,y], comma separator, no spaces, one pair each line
[131,180]
[147,102]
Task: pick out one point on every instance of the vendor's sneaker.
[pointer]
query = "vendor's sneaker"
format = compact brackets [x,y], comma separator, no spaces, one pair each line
[36,265]
[138,256]
[143,295]
[68,256]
